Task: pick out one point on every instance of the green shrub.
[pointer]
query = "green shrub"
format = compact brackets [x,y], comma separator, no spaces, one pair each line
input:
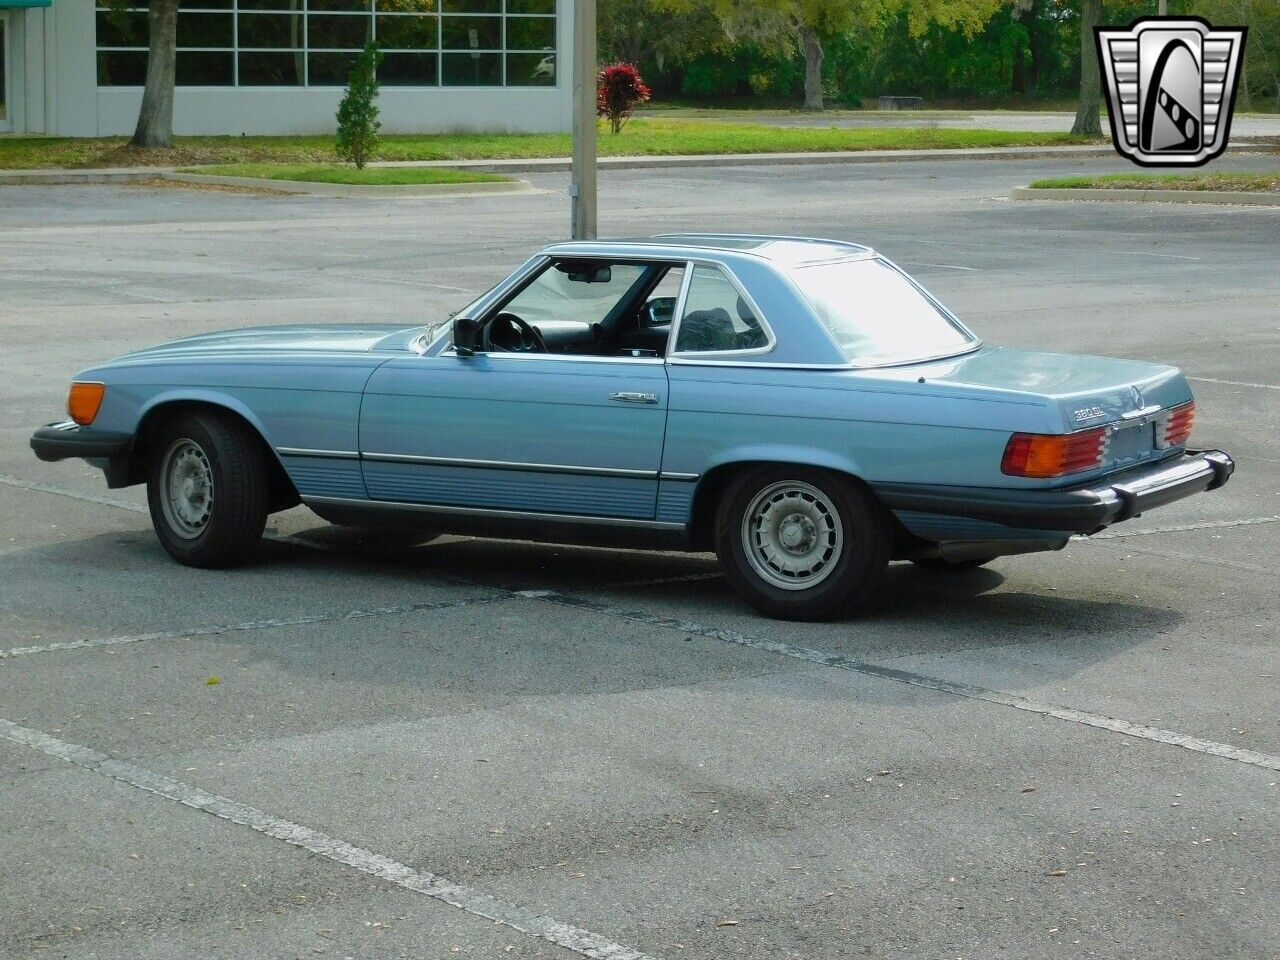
[358,122]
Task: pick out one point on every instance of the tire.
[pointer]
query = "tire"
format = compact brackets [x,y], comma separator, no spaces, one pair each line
[940,563]
[208,488]
[829,561]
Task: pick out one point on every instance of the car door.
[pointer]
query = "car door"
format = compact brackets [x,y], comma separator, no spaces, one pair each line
[567,434]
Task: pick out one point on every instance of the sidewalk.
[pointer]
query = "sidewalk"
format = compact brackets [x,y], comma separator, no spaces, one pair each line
[562,164]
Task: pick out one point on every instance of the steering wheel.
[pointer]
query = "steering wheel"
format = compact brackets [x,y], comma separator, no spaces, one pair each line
[507,333]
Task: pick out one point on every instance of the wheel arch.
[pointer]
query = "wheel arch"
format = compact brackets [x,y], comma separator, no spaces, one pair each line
[714,481]
[165,406]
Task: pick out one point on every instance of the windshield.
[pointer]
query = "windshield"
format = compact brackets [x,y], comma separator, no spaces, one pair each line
[877,315]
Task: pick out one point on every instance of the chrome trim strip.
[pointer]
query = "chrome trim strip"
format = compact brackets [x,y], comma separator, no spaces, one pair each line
[681,477]
[328,454]
[499,514]
[1139,414]
[510,465]
[580,357]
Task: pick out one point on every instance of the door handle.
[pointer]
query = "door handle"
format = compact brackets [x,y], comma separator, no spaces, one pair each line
[634,397]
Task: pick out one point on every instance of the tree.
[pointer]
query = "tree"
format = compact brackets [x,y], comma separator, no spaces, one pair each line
[358,122]
[1088,120]
[155,119]
[619,91]
[804,25]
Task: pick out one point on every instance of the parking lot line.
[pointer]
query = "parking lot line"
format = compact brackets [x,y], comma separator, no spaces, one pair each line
[1235,383]
[474,902]
[249,625]
[808,655]
[71,494]
[1183,528]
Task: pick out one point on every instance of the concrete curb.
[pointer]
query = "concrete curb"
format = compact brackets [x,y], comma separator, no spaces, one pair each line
[562,164]
[1150,196]
[353,190]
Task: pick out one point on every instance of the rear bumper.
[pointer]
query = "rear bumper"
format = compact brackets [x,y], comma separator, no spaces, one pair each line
[1082,509]
[63,441]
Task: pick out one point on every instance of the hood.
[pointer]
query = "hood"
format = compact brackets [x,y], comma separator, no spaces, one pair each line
[302,338]
[1087,391]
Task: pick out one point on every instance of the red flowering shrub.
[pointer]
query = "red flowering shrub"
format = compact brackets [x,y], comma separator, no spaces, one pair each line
[619,91]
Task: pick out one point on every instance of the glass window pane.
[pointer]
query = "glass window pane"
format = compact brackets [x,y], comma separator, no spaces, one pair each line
[339,32]
[716,317]
[876,314]
[408,70]
[348,6]
[284,5]
[199,4]
[329,69]
[271,69]
[531,6]
[122,68]
[531,33]
[554,296]
[472,69]
[205,30]
[471,33]
[531,70]
[273,31]
[407,33]
[408,6]
[200,68]
[472,6]
[122,29]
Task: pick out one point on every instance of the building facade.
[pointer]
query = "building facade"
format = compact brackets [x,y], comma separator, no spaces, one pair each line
[76,67]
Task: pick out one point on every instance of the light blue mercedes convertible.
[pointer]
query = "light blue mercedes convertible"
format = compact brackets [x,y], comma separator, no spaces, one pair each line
[803,407]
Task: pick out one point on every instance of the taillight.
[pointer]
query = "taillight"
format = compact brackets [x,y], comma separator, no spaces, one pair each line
[1054,455]
[83,402]
[1178,427]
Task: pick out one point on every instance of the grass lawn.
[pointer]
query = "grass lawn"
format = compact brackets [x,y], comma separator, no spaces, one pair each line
[649,137]
[339,173]
[1245,182]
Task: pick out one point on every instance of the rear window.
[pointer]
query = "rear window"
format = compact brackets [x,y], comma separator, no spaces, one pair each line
[877,315]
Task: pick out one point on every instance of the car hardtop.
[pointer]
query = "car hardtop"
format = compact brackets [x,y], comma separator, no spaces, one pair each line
[725,248]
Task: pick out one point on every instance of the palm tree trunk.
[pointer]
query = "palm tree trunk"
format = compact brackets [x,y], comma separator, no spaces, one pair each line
[155,119]
[812,48]
[1088,120]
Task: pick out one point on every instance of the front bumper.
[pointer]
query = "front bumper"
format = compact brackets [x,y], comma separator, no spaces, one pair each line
[1083,509]
[65,440]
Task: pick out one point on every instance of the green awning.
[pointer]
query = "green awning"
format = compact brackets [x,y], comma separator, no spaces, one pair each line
[25,3]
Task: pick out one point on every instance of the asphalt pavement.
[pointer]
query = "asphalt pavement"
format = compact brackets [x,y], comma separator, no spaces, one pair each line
[489,749]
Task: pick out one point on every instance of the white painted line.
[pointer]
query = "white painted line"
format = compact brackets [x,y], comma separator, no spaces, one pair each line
[945,266]
[1183,528]
[1236,383]
[1166,256]
[71,494]
[818,658]
[583,942]
[249,625]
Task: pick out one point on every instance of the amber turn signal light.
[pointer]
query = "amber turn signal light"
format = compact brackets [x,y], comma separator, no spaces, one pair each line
[1053,455]
[83,402]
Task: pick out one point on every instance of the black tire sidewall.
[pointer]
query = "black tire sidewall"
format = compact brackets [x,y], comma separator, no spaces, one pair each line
[867,536]
[239,490]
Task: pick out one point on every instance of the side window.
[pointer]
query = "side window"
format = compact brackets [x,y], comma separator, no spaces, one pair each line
[717,317]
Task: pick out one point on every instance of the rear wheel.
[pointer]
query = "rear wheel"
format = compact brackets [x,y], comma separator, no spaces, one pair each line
[208,489]
[800,543]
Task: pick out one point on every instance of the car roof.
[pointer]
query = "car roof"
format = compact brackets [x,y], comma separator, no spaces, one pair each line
[783,251]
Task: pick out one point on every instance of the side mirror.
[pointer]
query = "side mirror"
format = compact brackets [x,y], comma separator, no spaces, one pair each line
[660,311]
[466,336]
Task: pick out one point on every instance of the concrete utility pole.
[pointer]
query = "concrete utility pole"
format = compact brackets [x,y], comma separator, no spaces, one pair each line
[1164,8]
[583,190]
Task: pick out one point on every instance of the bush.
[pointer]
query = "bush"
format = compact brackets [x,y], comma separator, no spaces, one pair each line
[619,91]
[358,122]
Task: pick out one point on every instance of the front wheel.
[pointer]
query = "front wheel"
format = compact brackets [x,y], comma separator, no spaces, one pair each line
[208,489]
[802,544]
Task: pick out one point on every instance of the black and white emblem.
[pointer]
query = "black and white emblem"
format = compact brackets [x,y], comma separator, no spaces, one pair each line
[1171,86]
